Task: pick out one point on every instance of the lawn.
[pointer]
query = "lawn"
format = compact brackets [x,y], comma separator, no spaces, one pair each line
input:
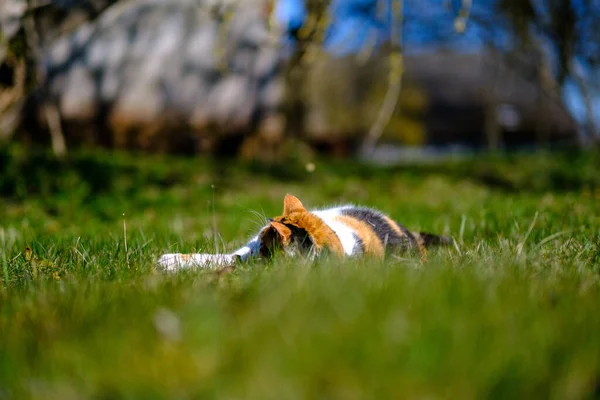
[513,310]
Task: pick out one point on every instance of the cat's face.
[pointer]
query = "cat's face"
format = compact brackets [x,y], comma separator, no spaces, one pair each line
[290,232]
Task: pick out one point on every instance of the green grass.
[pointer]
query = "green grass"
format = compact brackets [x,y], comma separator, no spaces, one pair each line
[512,311]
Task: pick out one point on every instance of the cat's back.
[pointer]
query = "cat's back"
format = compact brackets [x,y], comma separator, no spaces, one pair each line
[365,230]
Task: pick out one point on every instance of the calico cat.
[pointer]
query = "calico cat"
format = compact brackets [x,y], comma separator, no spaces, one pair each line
[344,231]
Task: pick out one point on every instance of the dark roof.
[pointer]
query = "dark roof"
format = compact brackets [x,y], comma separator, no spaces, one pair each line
[468,79]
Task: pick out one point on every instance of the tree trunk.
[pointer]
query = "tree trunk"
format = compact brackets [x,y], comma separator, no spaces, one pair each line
[493,132]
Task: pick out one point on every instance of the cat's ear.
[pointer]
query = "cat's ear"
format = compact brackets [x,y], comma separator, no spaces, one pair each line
[283,231]
[291,204]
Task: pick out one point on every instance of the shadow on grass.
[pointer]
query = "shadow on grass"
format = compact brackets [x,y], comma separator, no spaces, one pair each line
[515,172]
[30,172]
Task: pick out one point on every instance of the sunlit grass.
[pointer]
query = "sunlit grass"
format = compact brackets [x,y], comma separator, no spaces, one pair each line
[511,311]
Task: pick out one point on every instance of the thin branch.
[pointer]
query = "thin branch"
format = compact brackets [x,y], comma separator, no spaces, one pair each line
[224,15]
[59,146]
[395,77]
[460,23]
[371,41]
[11,98]
[51,110]
[308,39]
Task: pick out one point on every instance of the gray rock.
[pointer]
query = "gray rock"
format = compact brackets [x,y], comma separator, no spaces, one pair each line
[232,101]
[140,102]
[60,53]
[79,97]
[109,88]
[168,64]
[11,13]
[272,93]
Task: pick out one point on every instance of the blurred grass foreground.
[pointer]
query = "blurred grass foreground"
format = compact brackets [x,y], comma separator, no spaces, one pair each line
[511,311]
[132,128]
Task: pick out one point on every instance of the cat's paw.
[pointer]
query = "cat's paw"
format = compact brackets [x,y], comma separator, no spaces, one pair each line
[176,261]
[171,262]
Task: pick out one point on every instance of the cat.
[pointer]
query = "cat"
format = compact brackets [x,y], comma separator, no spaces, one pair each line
[345,231]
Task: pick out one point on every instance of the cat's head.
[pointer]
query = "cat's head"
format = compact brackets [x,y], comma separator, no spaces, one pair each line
[293,232]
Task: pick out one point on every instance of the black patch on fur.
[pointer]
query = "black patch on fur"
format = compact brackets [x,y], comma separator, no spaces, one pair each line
[301,238]
[271,243]
[429,239]
[359,246]
[384,231]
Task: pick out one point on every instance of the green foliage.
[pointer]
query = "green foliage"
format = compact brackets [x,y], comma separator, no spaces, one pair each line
[346,96]
[512,311]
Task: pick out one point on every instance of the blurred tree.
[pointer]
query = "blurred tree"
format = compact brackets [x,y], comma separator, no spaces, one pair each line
[340,28]
[558,35]
[564,36]
[307,31]
[13,69]
[26,26]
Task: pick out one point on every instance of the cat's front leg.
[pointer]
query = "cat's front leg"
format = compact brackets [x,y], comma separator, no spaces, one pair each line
[249,250]
[176,261]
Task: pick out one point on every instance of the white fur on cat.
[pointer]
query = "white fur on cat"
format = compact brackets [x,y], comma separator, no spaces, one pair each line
[177,261]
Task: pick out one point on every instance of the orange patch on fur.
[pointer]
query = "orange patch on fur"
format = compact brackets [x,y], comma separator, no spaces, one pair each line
[423,251]
[292,204]
[284,232]
[366,234]
[185,257]
[270,239]
[320,233]
[394,226]
[420,244]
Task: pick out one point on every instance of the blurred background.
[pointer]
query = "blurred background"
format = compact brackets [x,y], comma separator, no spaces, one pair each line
[386,79]
[134,128]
